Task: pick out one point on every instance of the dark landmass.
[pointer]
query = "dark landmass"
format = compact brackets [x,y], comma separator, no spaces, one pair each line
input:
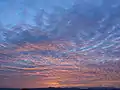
[51,88]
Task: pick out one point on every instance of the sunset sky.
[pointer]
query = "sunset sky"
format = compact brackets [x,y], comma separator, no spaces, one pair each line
[78,47]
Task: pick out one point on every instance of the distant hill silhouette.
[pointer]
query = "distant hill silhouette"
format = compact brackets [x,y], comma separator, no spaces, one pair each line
[52,88]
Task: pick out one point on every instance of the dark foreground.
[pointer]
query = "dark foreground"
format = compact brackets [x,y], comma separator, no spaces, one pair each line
[97,88]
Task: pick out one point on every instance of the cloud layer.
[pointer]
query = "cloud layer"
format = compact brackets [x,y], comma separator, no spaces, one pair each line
[71,47]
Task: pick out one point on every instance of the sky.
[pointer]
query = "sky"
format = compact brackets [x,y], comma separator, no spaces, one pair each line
[78,48]
[12,11]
